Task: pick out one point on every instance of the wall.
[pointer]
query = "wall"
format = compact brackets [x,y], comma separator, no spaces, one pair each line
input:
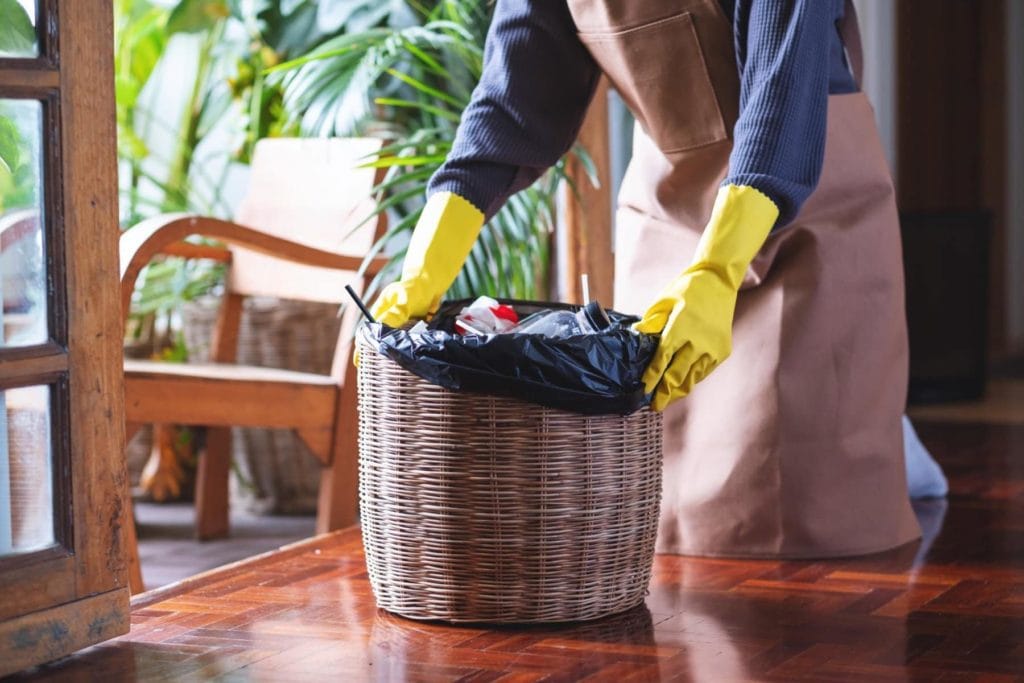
[960,120]
[1015,176]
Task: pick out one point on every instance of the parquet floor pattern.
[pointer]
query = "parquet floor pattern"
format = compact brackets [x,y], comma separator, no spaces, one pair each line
[951,610]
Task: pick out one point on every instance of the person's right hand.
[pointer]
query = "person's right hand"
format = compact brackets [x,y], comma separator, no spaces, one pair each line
[444,235]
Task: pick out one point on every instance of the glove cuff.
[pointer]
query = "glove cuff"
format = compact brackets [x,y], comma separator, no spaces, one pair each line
[444,235]
[740,222]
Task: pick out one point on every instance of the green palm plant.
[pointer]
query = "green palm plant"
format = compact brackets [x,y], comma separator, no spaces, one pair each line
[140,39]
[17,34]
[234,42]
[19,162]
[18,169]
[410,83]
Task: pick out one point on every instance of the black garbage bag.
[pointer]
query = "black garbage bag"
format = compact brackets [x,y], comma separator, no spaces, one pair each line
[593,374]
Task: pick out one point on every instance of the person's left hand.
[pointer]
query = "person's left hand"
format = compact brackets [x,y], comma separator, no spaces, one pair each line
[694,316]
[694,313]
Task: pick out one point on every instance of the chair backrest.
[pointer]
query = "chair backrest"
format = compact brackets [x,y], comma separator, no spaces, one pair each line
[310,191]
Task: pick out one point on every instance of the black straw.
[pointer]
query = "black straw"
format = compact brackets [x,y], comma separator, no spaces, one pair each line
[359,303]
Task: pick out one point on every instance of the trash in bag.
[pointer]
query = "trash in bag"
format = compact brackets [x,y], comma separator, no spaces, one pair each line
[486,316]
[594,368]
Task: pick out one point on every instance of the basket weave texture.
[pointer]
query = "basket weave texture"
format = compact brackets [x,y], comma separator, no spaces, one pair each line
[486,509]
[30,467]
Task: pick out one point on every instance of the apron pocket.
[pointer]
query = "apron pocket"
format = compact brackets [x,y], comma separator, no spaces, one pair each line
[659,70]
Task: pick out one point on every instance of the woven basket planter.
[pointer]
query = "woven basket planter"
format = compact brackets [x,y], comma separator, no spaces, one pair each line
[274,471]
[485,509]
[29,461]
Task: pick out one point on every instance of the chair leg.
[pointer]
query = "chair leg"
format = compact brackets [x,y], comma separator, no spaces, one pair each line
[131,541]
[212,485]
[338,504]
[163,474]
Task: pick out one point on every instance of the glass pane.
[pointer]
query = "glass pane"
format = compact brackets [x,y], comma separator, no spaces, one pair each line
[22,262]
[18,28]
[26,479]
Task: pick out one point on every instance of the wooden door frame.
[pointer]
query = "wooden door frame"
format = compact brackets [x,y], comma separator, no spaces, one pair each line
[587,230]
[75,593]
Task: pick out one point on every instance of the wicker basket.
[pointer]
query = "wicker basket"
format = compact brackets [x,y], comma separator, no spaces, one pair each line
[485,509]
[31,490]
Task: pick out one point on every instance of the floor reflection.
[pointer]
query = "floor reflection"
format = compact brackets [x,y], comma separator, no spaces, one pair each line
[946,607]
[402,649]
[931,513]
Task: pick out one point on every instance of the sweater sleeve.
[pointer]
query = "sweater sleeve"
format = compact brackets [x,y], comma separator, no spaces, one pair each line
[526,110]
[784,52]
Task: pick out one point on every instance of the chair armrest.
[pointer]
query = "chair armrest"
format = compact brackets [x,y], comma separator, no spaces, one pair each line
[191,250]
[16,225]
[163,234]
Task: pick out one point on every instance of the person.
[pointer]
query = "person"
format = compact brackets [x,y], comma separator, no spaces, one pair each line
[756,222]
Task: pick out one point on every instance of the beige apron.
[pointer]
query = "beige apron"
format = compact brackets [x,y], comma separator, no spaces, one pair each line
[793,446]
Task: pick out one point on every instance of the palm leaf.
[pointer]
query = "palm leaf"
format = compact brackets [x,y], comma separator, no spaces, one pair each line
[17,34]
[415,81]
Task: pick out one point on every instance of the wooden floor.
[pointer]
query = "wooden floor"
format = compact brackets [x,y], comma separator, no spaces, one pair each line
[951,610]
[169,551]
[1003,404]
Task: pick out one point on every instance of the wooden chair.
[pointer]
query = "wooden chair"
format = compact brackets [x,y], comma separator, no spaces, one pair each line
[295,239]
[18,228]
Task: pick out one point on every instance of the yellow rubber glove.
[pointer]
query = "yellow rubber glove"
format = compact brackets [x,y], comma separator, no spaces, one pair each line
[694,313]
[444,235]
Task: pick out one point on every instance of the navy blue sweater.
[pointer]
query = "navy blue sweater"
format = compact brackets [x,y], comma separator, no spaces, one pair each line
[538,80]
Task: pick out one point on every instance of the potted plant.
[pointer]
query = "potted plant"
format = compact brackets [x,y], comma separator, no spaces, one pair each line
[410,82]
